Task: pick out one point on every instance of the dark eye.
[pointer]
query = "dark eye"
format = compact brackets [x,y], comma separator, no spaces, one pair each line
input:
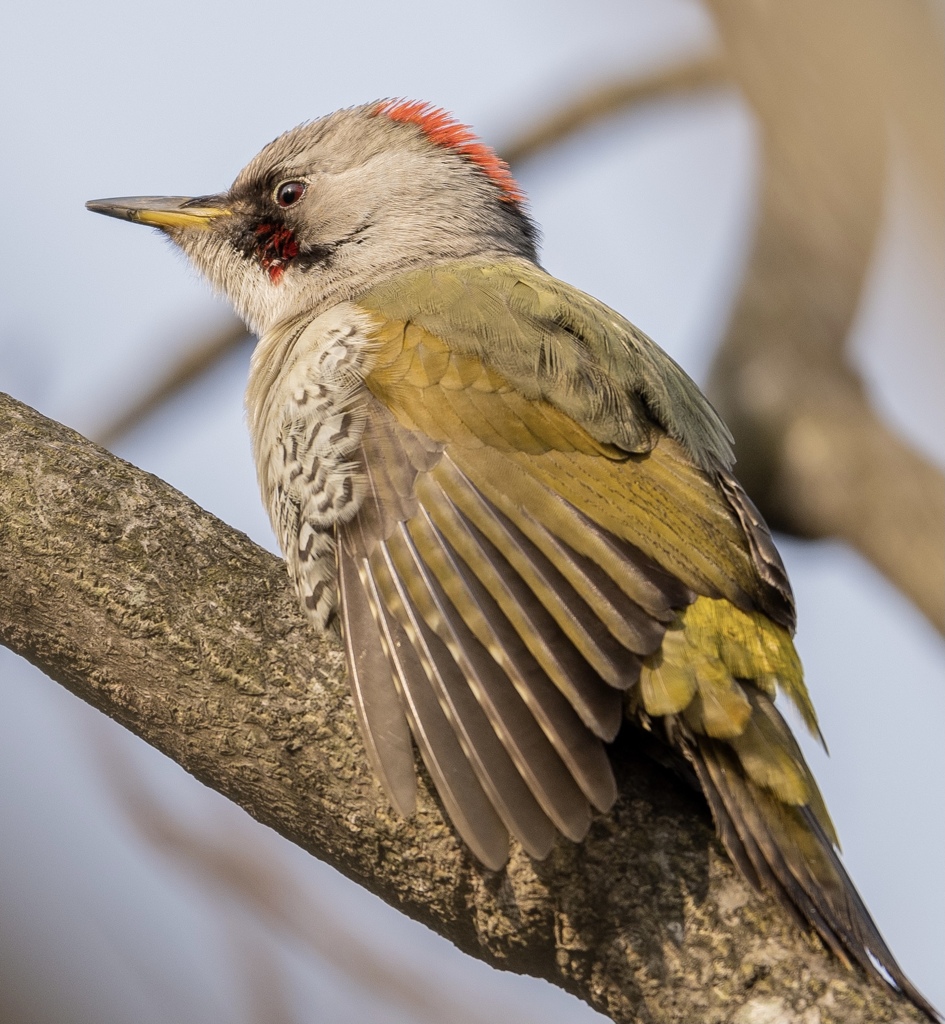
[289,192]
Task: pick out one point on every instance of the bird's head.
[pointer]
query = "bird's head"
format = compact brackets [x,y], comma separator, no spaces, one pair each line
[331,207]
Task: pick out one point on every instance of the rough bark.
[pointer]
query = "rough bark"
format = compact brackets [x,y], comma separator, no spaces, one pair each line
[184,631]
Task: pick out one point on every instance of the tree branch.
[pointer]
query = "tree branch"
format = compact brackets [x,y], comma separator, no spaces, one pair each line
[185,632]
[813,453]
[197,360]
[692,75]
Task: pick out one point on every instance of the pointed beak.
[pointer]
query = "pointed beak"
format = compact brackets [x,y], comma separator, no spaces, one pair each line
[167,212]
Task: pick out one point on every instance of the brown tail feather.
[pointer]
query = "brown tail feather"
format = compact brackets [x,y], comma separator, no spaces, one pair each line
[785,850]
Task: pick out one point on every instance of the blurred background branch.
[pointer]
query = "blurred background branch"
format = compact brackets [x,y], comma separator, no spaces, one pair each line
[831,85]
[199,357]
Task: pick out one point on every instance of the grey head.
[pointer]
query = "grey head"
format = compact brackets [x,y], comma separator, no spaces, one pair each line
[333,206]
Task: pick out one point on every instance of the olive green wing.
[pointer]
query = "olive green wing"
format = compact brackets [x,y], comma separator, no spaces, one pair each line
[531,568]
[551,341]
[504,544]
[553,346]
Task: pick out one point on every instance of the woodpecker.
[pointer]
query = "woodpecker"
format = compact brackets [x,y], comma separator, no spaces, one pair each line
[520,511]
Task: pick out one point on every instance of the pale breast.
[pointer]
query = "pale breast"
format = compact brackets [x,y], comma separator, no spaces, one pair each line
[305,402]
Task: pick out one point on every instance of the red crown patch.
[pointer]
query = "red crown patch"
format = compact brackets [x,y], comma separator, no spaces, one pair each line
[443,130]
